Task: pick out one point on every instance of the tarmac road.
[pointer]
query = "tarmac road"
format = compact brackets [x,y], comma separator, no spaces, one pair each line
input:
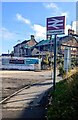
[26,104]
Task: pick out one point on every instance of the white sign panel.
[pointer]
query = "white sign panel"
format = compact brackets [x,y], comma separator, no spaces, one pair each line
[67,59]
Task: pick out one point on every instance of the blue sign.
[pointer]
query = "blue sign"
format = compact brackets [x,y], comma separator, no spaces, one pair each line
[32,61]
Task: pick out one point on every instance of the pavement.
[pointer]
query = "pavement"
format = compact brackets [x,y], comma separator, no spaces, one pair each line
[28,103]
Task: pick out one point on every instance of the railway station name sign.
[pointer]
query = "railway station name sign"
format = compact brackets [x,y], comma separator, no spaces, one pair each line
[56,25]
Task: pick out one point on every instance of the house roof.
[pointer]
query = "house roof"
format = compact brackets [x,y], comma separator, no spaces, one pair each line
[25,41]
[66,38]
[60,39]
[17,44]
[44,42]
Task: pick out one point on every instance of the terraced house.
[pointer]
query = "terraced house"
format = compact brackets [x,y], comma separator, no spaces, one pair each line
[24,48]
[39,49]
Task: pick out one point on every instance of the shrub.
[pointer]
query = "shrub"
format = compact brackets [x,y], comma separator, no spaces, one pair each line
[61,70]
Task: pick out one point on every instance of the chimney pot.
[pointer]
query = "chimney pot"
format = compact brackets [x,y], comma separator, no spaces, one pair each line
[32,37]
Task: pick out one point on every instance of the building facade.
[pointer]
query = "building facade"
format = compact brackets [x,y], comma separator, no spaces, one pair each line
[40,49]
[24,48]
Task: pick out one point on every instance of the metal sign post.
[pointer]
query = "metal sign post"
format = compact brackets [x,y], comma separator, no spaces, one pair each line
[54,78]
[55,26]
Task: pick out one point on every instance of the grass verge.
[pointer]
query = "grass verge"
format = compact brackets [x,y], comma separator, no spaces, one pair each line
[64,102]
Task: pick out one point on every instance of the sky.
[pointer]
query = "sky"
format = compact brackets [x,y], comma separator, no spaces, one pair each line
[22,19]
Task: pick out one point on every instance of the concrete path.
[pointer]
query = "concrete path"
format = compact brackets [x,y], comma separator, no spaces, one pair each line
[26,104]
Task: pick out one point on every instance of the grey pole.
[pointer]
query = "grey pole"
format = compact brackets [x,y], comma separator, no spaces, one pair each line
[54,78]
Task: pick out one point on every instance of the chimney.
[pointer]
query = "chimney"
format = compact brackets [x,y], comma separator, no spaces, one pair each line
[70,31]
[32,37]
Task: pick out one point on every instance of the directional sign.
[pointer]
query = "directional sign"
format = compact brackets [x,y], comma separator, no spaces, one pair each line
[55,25]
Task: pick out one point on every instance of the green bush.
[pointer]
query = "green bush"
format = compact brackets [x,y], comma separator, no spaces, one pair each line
[61,70]
[60,61]
[74,62]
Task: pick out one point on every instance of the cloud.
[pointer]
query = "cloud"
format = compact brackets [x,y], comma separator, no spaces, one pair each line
[51,6]
[57,10]
[73,27]
[64,14]
[40,31]
[6,34]
[66,29]
[20,18]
